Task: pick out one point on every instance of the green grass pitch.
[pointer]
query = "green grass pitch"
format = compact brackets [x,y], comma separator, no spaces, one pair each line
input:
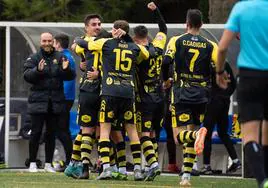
[58,180]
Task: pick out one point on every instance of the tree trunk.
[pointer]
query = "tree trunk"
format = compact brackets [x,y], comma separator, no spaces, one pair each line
[219,10]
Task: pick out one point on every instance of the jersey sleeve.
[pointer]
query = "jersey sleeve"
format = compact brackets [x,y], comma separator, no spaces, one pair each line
[214,55]
[233,22]
[143,55]
[171,48]
[97,44]
[79,50]
[160,40]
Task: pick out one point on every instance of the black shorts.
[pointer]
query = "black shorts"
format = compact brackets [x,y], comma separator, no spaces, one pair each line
[252,95]
[88,109]
[117,125]
[149,116]
[187,114]
[113,108]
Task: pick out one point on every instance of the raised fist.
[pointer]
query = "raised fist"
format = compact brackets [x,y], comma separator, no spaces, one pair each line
[151,6]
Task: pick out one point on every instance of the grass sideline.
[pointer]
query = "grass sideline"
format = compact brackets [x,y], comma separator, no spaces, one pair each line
[58,180]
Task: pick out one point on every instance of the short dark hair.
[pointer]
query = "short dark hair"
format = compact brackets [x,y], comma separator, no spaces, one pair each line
[122,24]
[141,31]
[63,39]
[91,16]
[194,18]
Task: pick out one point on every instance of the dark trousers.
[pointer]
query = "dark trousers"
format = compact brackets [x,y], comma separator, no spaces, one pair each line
[38,121]
[217,113]
[63,132]
[171,146]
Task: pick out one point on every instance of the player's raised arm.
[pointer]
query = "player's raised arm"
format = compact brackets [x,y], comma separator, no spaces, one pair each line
[158,16]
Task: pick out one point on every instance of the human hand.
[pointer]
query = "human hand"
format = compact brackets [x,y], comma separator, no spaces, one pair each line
[223,80]
[83,65]
[65,63]
[167,84]
[41,65]
[152,6]
[73,46]
[92,75]
[119,33]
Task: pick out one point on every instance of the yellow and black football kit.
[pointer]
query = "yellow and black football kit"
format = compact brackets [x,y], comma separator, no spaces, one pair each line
[150,97]
[89,99]
[119,59]
[192,56]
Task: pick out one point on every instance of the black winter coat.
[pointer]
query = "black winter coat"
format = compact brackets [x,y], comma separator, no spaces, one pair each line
[47,85]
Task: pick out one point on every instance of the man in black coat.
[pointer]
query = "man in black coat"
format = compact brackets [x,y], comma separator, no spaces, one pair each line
[217,113]
[45,71]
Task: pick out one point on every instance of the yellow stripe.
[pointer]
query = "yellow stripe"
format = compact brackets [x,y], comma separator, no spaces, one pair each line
[137,160]
[105,159]
[76,157]
[85,154]
[146,144]
[87,138]
[190,150]
[187,169]
[188,136]
[104,140]
[181,135]
[86,146]
[153,159]
[148,152]
[134,152]
[121,153]
[188,160]
[133,143]
[76,147]
[105,149]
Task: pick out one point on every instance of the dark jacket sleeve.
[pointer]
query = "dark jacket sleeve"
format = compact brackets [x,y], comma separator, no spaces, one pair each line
[160,20]
[31,73]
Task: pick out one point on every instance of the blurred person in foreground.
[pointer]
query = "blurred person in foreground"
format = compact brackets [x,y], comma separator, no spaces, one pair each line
[252,89]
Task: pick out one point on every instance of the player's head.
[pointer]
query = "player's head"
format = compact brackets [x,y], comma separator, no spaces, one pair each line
[46,42]
[61,41]
[194,19]
[92,24]
[140,32]
[121,24]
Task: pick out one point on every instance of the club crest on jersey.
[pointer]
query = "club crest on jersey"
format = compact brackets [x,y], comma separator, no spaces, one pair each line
[184,117]
[86,118]
[148,124]
[109,81]
[128,115]
[110,114]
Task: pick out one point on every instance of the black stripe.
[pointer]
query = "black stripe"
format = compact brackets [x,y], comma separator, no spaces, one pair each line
[121,159]
[136,155]
[149,157]
[147,148]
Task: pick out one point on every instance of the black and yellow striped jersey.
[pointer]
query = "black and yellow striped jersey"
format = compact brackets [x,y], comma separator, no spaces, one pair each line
[118,60]
[92,60]
[192,56]
[148,71]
